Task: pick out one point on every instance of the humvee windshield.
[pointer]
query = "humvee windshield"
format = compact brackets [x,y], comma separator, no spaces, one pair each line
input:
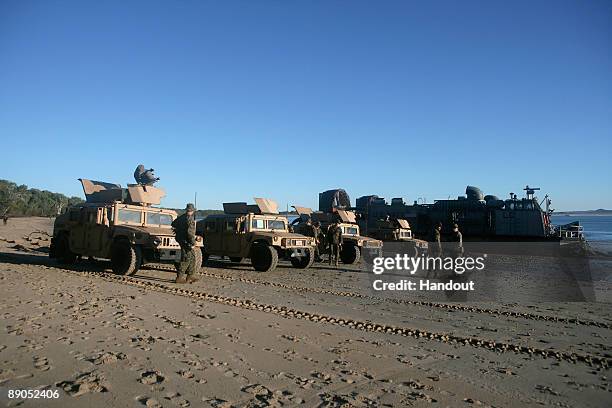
[125,215]
[263,224]
[276,224]
[159,219]
[406,234]
[350,230]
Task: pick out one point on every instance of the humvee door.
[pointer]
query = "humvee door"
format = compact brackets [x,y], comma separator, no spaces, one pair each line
[231,239]
[88,237]
[212,234]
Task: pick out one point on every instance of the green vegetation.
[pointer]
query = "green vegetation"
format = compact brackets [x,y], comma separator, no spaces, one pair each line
[23,201]
[16,201]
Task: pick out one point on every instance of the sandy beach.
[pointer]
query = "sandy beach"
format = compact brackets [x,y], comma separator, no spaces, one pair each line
[313,338]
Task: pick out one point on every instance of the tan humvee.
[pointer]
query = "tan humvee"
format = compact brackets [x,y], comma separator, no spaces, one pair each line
[354,244]
[257,232]
[117,224]
[395,230]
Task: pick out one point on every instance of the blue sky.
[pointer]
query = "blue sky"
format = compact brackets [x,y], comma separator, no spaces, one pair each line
[286,99]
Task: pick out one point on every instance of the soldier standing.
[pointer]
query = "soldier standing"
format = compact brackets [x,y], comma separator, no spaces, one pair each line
[436,248]
[457,238]
[318,234]
[334,239]
[184,229]
[312,230]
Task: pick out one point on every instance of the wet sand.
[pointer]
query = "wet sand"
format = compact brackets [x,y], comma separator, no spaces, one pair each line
[318,337]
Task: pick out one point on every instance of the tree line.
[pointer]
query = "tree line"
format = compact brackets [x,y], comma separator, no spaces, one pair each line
[19,200]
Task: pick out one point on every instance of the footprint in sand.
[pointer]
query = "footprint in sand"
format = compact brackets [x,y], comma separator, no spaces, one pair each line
[263,396]
[151,377]
[106,358]
[41,363]
[185,374]
[83,384]
[149,402]
[217,402]
[176,398]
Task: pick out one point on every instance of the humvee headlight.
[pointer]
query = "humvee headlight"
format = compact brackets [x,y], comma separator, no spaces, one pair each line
[157,241]
[283,241]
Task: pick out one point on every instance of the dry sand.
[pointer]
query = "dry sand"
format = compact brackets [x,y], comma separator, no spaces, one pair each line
[103,343]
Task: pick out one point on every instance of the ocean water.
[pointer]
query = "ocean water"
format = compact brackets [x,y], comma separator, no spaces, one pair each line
[596,228]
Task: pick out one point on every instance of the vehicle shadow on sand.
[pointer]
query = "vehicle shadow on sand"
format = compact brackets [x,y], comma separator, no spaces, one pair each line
[245,266]
[33,257]
[84,265]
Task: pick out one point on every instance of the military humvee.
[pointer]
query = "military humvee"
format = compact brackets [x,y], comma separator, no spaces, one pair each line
[257,232]
[394,230]
[117,224]
[354,244]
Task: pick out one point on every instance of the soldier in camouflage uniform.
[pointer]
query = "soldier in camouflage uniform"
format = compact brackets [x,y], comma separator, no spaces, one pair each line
[457,239]
[318,236]
[313,229]
[185,229]
[334,239]
[436,248]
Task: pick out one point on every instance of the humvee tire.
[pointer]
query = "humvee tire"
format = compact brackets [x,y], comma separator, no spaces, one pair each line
[369,256]
[350,254]
[62,250]
[264,257]
[199,256]
[303,262]
[415,252]
[235,259]
[126,258]
[204,256]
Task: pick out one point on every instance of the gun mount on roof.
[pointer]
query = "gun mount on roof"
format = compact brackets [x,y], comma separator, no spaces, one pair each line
[102,192]
[261,206]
